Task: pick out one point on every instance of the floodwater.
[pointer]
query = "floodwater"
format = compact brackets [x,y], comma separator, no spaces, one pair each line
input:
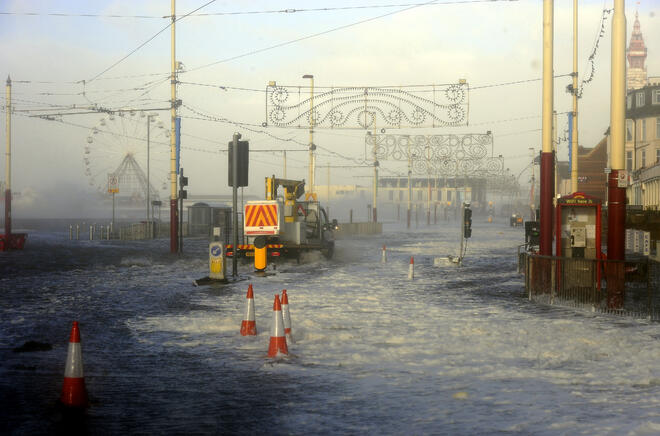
[457,350]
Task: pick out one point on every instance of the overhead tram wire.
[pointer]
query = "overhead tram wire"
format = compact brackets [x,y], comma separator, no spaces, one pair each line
[148,41]
[325,32]
[273,11]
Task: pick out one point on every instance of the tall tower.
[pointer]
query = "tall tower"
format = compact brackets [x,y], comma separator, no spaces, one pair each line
[636,76]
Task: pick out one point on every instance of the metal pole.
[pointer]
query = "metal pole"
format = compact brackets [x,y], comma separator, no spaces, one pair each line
[547,158]
[148,187]
[616,214]
[460,227]
[173,183]
[555,147]
[112,224]
[409,184]
[8,168]
[234,164]
[311,132]
[375,199]
[327,205]
[574,133]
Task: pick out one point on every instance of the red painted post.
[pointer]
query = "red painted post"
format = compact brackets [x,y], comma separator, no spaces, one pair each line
[547,194]
[616,221]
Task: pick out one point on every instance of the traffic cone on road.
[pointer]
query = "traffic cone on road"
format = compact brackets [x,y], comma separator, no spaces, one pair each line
[277,335]
[249,324]
[383,258]
[287,317]
[74,393]
[411,269]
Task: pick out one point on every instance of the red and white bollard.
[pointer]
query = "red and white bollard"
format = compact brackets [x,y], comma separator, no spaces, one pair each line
[383,258]
[287,317]
[277,344]
[411,269]
[74,393]
[249,324]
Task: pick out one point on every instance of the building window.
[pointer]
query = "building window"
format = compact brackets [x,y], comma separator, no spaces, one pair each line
[629,160]
[642,130]
[448,195]
[629,127]
[400,195]
[656,96]
[419,194]
[390,195]
[657,155]
[643,162]
[639,99]
[629,101]
[657,128]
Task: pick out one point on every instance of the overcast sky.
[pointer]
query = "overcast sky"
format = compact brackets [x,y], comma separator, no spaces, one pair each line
[486,43]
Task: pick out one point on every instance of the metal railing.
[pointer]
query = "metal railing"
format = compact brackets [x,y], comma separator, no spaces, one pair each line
[582,283]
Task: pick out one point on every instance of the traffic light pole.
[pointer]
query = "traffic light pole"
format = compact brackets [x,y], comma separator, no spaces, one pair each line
[234,164]
[462,231]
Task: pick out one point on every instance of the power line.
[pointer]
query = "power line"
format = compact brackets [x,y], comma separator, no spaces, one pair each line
[273,11]
[149,40]
[314,35]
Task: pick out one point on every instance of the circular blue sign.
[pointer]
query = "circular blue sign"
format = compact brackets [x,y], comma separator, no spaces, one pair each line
[216,250]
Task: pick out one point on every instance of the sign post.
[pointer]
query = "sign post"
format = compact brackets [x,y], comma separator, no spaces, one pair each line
[113,188]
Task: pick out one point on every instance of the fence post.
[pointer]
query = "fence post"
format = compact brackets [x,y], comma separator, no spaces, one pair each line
[530,269]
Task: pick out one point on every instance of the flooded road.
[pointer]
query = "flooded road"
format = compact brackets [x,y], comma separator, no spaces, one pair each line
[457,350]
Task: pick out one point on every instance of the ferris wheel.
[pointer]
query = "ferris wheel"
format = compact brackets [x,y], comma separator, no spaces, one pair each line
[133,149]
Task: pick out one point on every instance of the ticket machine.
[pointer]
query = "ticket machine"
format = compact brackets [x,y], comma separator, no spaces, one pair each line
[578,226]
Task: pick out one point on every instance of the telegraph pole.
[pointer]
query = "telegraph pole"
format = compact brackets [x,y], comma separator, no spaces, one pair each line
[547,156]
[174,221]
[375,199]
[616,193]
[8,168]
[574,132]
[311,132]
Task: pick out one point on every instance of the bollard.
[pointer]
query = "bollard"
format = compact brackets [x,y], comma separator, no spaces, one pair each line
[70,232]
[77,232]
[411,269]
[108,232]
[217,264]
[91,233]
[383,258]
[101,234]
[260,253]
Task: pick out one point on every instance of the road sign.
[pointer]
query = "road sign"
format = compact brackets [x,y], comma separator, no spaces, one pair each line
[113,184]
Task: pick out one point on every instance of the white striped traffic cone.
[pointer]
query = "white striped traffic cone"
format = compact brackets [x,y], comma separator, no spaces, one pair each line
[74,393]
[287,317]
[411,269]
[383,258]
[249,324]
[277,336]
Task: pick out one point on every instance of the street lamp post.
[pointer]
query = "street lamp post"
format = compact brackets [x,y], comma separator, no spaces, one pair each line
[311,132]
[150,118]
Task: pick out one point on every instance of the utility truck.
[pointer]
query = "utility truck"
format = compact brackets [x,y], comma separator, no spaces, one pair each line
[286,226]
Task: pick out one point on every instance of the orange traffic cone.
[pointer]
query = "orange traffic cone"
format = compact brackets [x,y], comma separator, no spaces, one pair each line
[411,269]
[74,393]
[287,317]
[277,335]
[249,325]
[383,258]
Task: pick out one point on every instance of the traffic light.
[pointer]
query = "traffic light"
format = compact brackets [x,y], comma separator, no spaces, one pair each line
[532,233]
[467,222]
[243,162]
[183,182]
